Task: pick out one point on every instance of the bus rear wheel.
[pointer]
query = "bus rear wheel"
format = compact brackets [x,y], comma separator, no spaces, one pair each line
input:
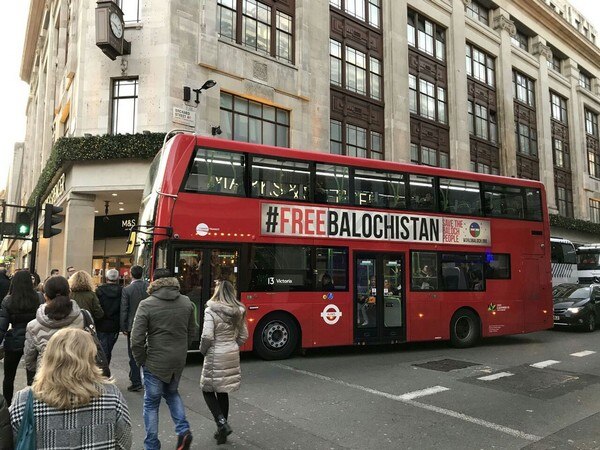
[464,329]
[276,337]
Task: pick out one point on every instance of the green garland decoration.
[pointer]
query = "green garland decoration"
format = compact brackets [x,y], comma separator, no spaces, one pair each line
[569,223]
[94,148]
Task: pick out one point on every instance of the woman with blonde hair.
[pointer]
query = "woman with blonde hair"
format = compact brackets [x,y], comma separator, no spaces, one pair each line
[70,395]
[224,332]
[83,292]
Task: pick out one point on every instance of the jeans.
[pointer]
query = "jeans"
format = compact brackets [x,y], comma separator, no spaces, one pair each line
[134,369]
[11,362]
[107,340]
[154,389]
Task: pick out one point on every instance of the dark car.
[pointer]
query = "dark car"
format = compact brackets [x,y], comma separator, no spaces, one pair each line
[577,305]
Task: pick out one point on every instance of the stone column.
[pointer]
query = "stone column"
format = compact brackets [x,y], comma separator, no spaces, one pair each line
[460,146]
[544,126]
[506,112]
[577,142]
[79,232]
[395,74]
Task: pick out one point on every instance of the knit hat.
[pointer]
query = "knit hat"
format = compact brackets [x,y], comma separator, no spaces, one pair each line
[112,275]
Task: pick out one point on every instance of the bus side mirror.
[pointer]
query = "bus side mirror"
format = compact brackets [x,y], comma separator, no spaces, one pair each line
[131,242]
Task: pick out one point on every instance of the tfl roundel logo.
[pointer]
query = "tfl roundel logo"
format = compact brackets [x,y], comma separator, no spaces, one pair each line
[474,229]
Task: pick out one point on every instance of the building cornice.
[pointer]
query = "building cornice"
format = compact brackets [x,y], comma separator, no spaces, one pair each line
[32,34]
[550,20]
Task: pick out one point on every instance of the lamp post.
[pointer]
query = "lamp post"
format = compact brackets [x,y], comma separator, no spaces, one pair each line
[187,91]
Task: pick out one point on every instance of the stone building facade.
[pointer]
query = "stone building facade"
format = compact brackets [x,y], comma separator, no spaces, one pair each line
[509,87]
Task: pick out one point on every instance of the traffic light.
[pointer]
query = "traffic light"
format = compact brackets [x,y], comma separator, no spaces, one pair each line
[51,218]
[23,223]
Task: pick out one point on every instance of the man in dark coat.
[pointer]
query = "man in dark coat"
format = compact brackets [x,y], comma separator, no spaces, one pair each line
[4,283]
[163,329]
[109,325]
[130,299]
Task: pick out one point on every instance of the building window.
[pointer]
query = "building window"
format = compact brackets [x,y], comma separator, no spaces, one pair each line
[523,88]
[564,201]
[368,11]
[591,123]
[421,154]
[520,40]
[585,80]
[594,210]
[428,101]
[132,10]
[427,36]
[353,140]
[478,12]
[484,168]
[482,123]
[357,65]
[526,140]
[480,65]
[266,26]
[124,105]
[559,107]
[561,157]
[250,121]
[554,63]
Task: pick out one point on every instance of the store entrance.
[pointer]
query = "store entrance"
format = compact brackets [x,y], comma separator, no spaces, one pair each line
[122,263]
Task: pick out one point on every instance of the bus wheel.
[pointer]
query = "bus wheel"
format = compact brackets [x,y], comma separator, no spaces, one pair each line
[464,329]
[276,337]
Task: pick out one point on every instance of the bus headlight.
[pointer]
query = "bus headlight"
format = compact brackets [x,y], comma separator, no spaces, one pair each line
[574,310]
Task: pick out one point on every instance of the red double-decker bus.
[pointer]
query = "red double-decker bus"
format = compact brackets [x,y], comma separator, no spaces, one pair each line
[329,250]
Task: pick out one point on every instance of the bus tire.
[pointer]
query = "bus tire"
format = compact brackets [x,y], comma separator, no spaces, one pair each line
[465,329]
[276,337]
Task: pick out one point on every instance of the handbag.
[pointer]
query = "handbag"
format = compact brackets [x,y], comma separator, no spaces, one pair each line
[101,359]
[26,439]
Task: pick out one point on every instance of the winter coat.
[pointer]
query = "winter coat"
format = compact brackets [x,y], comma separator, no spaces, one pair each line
[4,285]
[163,330]
[14,339]
[6,432]
[102,424]
[131,297]
[109,295]
[41,329]
[220,344]
[88,300]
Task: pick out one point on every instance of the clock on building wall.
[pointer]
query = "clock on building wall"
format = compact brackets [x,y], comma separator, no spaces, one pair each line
[110,28]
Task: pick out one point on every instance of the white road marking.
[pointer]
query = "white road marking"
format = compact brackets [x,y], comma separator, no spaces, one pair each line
[399,398]
[496,376]
[423,392]
[583,353]
[543,364]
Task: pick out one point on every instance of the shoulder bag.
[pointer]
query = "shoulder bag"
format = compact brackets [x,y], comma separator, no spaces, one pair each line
[101,360]
[26,439]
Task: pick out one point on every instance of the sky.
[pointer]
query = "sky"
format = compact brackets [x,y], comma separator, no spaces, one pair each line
[14,92]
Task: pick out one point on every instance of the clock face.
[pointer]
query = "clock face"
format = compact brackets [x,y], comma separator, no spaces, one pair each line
[116,25]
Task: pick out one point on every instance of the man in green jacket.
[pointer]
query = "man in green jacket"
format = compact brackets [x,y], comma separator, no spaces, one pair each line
[163,330]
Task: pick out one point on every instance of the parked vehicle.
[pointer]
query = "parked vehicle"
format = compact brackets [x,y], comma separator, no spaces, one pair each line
[588,263]
[564,261]
[577,304]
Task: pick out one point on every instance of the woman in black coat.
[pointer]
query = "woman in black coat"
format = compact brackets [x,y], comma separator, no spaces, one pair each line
[17,309]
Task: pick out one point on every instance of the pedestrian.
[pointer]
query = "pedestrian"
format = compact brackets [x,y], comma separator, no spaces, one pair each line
[224,332]
[54,272]
[82,291]
[70,271]
[59,311]
[4,283]
[6,434]
[17,310]
[163,330]
[74,406]
[108,326]
[131,297]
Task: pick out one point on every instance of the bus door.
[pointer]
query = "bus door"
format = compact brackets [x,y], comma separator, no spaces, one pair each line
[379,299]
[197,269]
